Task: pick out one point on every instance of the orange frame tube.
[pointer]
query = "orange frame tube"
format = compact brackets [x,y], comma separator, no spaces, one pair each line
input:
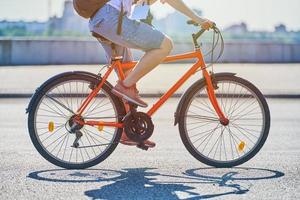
[95,91]
[120,66]
[99,123]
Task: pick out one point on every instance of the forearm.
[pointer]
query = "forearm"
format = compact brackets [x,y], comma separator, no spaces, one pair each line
[184,9]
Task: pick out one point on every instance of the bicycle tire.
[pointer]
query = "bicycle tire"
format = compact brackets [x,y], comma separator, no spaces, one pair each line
[186,102]
[36,100]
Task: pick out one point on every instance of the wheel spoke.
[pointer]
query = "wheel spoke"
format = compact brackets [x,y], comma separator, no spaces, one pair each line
[52,126]
[62,105]
[218,143]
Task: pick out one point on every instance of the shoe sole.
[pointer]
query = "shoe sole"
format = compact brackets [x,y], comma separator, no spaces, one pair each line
[127,98]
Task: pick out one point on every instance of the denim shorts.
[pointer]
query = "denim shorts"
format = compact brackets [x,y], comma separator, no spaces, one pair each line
[135,34]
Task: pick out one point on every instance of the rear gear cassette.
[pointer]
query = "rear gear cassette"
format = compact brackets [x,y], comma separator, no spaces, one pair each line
[138,126]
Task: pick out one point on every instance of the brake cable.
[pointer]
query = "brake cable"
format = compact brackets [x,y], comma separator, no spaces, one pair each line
[214,45]
[212,53]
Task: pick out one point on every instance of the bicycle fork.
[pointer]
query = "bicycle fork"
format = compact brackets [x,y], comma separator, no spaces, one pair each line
[213,99]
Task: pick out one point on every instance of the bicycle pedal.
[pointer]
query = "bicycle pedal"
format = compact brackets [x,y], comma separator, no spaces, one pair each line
[142,146]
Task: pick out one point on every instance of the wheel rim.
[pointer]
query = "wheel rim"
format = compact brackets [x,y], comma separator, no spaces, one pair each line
[225,144]
[57,143]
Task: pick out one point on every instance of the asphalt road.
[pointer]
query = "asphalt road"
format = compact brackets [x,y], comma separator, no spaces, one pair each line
[166,172]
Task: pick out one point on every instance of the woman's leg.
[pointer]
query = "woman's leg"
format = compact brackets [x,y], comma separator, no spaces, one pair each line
[149,61]
[134,35]
[127,57]
[152,58]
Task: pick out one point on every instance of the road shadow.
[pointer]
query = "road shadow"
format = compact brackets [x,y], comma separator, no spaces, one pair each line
[147,183]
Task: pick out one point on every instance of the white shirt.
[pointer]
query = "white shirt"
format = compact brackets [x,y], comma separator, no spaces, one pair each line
[127,4]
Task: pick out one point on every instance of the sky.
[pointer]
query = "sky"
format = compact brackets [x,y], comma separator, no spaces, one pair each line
[258,14]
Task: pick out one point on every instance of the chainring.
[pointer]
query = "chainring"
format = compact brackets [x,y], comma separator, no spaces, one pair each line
[138,126]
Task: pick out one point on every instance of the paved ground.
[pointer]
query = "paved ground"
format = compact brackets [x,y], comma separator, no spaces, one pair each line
[166,172]
[269,78]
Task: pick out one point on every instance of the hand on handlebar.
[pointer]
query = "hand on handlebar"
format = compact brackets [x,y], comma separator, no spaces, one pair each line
[207,24]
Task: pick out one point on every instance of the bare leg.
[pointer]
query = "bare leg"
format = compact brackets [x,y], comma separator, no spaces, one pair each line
[148,62]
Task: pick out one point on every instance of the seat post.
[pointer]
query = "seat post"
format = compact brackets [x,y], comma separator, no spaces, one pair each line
[115,56]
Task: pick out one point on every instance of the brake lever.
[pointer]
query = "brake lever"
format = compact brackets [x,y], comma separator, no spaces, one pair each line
[216,30]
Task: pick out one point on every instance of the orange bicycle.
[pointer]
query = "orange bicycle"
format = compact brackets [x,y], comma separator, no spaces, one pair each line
[76,122]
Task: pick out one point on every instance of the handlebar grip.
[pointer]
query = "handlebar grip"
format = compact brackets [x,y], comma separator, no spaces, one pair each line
[192,22]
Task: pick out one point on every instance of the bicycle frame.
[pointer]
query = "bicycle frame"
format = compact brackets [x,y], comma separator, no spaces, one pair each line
[120,66]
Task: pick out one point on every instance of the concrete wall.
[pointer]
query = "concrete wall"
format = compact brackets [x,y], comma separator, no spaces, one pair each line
[46,52]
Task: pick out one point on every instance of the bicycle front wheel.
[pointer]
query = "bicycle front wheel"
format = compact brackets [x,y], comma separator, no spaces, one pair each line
[213,143]
[50,116]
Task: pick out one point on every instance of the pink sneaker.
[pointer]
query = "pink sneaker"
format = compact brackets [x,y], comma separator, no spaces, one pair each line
[129,94]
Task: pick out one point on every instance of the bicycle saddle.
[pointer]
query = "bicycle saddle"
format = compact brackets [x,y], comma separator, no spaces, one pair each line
[100,37]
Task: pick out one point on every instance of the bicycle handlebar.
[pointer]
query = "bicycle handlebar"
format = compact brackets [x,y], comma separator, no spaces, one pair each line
[197,35]
[192,22]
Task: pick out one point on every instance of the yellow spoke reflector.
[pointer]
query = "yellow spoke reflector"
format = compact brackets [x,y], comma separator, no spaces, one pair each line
[242,146]
[100,128]
[51,126]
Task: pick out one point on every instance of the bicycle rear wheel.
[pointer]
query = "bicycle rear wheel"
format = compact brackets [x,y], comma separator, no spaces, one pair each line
[213,143]
[52,107]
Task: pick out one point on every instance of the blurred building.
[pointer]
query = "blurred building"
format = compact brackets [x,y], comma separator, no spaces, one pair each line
[69,22]
[281,28]
[237,28]
[175,24]
[34,27]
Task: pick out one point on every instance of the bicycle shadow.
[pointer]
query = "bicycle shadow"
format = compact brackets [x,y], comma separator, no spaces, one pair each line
[143,183]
